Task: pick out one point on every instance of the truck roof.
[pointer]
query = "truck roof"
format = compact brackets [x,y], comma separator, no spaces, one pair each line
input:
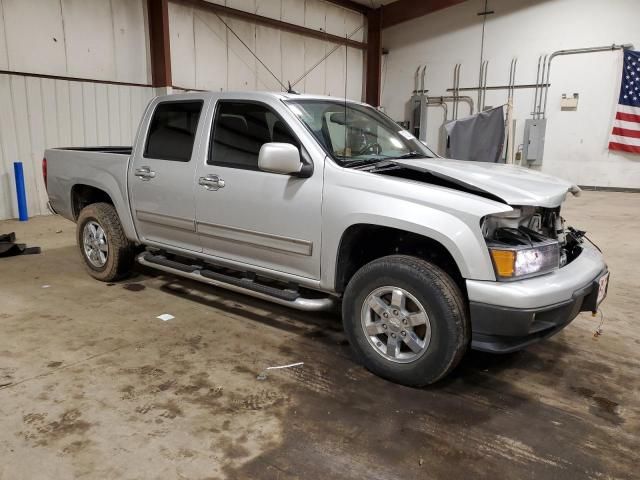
[257,95]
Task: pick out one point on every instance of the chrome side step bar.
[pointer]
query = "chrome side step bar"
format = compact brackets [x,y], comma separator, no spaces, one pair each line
[199,273]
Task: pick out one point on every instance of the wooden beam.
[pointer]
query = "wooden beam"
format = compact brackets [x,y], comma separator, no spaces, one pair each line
[158,11]
[403,10]
[271,22]
[351,5]
[374,57]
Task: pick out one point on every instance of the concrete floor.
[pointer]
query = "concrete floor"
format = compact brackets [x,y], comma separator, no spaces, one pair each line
[92,385]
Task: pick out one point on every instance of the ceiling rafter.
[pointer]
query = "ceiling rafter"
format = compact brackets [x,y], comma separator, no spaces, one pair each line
[404,10]
[351,5]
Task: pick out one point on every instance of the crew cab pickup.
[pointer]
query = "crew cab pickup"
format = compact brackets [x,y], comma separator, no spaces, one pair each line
[319,203]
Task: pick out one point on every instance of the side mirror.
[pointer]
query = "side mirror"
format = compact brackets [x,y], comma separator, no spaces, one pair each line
[277,157]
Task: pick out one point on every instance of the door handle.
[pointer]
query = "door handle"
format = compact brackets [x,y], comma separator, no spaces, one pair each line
[211,182]
[144,173]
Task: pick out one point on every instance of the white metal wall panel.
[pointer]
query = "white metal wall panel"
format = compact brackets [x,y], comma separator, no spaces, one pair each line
[246,5]
[97,39]
[35,36]
[293,11]
[38,113]
[241,73]
[335,20]
[205,55]
[9,147]
[211,55]
[314,51]
[355,72]
[269,51]
[335,72]
[4,61]
[315,13]
[270,8]
[129,20]
[292,47]
[354,25]
[90,45]
[183,68]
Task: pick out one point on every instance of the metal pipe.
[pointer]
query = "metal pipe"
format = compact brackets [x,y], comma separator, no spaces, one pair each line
[456,85]
[480,86]
[484,82]
[415,80]
[496,87]
[512,77]
[539,106]
[442,104]
[538,82]
[454,99]
[575,51]
[424,74]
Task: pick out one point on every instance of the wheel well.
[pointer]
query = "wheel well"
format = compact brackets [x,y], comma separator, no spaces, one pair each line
[363,243]
[83,195]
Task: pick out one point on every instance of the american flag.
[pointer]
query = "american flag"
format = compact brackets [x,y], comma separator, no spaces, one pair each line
[626,127]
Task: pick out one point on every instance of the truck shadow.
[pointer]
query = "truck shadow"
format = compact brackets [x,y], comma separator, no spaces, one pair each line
[325,329]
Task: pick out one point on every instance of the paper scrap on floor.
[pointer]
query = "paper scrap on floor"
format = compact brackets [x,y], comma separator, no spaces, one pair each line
[165,317]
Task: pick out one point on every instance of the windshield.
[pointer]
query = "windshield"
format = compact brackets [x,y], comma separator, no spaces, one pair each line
[356,134]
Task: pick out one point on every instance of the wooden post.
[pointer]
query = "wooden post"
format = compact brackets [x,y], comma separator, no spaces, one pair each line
[374,57]
[158,11]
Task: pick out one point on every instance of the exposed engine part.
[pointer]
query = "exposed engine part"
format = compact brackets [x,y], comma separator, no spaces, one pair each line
[534,225]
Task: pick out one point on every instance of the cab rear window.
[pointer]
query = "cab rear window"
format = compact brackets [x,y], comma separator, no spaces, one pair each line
[173,130]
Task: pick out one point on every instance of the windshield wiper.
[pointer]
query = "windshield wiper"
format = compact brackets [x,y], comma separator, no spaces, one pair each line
[412,155]
[364,162]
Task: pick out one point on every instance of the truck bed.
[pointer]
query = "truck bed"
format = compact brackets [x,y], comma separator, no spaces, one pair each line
[77,169]
[123,150]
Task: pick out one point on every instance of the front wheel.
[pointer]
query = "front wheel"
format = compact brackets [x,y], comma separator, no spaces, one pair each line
[406,320]
[106,251]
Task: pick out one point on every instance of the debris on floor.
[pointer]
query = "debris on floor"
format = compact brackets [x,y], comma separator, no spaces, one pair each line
[263,375]
[291,365]
[9,247]
[165,317]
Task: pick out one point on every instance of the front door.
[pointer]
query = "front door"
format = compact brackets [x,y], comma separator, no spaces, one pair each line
[161,178]
[250,216]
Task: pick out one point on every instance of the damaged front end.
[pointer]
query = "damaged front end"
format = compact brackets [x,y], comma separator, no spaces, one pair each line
[529,241]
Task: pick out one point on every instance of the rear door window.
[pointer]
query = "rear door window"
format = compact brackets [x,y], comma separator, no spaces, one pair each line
[240,129]
[173,130]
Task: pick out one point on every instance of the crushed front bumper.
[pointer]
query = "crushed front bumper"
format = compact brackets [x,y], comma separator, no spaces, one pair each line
[508,316]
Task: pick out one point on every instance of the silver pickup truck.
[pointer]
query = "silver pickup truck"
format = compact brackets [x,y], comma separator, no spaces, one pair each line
[314,203]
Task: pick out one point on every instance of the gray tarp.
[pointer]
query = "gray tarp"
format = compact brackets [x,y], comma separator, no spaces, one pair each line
[479,137]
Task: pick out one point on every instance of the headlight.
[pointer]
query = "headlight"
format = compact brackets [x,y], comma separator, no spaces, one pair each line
[518,262]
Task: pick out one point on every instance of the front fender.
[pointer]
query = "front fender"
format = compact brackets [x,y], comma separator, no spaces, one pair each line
[450,217]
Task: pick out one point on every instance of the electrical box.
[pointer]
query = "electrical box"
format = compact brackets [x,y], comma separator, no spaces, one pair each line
[418,119]
[533,143]
[569,103]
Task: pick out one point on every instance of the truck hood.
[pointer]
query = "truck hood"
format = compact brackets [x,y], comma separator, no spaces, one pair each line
[512,184]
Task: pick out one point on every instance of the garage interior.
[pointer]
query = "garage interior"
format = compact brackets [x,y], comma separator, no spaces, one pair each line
[94,385]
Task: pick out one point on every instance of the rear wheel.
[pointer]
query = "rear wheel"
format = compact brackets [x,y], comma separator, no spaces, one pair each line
[406,320]
[106,251]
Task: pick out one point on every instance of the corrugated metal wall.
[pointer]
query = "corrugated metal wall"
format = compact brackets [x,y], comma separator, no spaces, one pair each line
[205,55]
[38,113]
[107,40]
[97,39]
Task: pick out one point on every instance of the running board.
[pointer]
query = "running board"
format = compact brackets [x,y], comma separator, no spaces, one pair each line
[247,286]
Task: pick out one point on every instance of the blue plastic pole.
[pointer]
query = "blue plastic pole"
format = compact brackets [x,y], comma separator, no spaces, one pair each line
[21,192]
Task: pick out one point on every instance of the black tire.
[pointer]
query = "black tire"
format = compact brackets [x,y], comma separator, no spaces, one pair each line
[440,297]
[120,253]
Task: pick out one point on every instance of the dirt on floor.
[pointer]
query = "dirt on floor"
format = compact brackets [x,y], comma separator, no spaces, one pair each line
[93,385]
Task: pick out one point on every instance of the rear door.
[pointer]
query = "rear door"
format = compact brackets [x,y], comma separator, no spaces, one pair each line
[253,217]
[161,177]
